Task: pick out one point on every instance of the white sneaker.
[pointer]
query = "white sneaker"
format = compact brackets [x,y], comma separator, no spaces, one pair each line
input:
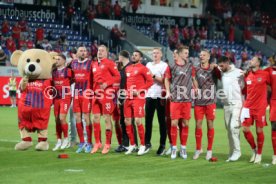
[173,152]
[252,159]
[258,159]
[141,150]
[274,160]
[183,153]
[65,144]
[235,156]
[131,148]
[209,154]
[197,153]
[57,146]
[169,151]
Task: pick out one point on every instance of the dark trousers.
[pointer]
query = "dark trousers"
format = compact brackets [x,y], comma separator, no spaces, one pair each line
[125,138]
[160,106]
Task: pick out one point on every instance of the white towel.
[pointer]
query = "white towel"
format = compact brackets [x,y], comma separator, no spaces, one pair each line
[244,114]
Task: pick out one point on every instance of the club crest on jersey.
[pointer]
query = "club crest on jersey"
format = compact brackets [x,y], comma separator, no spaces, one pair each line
[135,72]
[94,70]
[102,66]
[127,74]
[274,73]
[259,79]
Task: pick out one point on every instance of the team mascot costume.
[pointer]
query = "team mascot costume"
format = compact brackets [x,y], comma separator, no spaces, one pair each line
[35,66]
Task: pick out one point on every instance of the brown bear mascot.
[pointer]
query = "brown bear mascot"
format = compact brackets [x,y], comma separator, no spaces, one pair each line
[34,106]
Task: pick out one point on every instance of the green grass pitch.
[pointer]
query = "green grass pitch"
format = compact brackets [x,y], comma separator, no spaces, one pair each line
[44,167]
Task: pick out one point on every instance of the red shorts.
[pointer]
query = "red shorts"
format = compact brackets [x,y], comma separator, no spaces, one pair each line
[180,110]
[33,118]
[258,116]
[82,105]
[116,113]
[272,110]
[168,112]
[209,111]
[134,108]
[102,106]
[61,106]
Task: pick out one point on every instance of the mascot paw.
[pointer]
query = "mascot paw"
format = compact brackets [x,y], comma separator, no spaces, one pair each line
[42,146]
[23,145]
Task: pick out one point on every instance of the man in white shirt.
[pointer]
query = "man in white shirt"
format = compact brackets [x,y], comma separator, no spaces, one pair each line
[154,101]
[232,82]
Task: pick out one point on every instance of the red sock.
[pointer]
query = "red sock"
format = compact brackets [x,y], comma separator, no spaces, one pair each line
[198,135]
[42,139]
[210,134]
[64,128]
[141,133]
[108,136]
[80,132]
[174,135]
[184,135]
[97,132]
[168,123]
[89,133]
[260,142]
[273,136]
[130,134]
[58,130]
[27,139]
[119,134]
[250,139]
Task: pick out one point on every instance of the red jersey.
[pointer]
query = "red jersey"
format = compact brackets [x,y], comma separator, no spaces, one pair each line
[22,43]
[272,79]
[30,44]
[34,95]
[5,28]
[23,25]
[16,32]
[40,34]
[117,10]
[139,78]
[82,75]
[10,44]
[62,81]
[256,90]
[105,71]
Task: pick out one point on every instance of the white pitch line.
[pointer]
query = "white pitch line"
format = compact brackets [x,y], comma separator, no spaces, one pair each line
[73,170]
[7,140]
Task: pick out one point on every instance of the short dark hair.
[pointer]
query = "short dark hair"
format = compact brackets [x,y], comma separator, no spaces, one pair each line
[224,59]
[62,56]
[140,53]
[124,53]
[259,59]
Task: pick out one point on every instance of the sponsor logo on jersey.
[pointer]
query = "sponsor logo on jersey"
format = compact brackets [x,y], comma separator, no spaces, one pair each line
[79,75]
[58,82]
[35,84]
[201,75]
